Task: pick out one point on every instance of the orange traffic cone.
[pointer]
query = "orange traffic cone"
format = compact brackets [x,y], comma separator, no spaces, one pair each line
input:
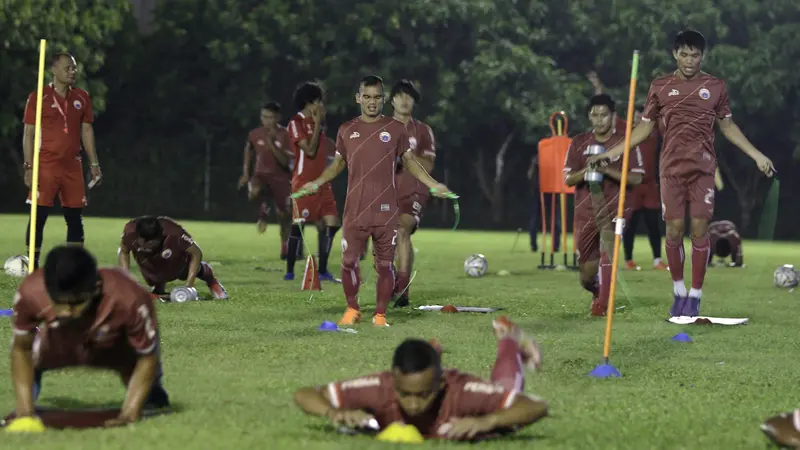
[311,275]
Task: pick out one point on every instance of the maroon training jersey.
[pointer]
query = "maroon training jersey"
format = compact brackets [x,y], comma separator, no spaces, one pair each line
[166,263]
[371,150]
[464,395]
[306,168]
[266,164]
[576,161]
[407,184]
[62,121]
[125,314]
[686,111]
[649,152]
[726,230]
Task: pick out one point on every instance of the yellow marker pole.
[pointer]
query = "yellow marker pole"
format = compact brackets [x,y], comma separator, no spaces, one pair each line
[37,145]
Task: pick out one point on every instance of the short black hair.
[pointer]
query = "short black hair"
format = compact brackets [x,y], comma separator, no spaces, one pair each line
[722,248]
[415,355]
[405,87]
[272,106]
[690,39]
[307,93]
[57,57]
[69,270]
[600,100]
[370,80]
[148,227]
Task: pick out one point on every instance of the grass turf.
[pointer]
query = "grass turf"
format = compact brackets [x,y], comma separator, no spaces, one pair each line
[231,367]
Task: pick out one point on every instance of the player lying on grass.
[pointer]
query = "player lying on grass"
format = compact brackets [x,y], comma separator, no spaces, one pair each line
[594,211]
[73,314]
[784,429]
[165,252]
[725,242]
[440,403]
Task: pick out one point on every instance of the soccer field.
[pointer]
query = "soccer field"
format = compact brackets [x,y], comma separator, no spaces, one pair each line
[231,367]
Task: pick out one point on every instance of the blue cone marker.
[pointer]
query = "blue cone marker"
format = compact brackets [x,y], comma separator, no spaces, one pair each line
[682,337]
[328,326]
[6,312]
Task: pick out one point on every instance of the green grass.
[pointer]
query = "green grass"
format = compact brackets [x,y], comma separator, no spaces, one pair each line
[231,367]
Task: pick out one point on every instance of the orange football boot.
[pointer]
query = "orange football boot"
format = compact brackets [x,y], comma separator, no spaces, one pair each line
[379,320]
[660,266]
[351,316]
[631,265]
[217,290]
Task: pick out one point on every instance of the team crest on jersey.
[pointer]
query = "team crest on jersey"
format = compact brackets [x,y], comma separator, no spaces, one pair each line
[385,137]
[166,253]
[77,104]
[305,213]
[704,94]
[260,142]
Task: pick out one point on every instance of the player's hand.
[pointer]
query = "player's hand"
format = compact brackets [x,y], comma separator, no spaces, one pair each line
[307,189]
[442,191]
[350,418]
[466,427]
[119,421]
[597,160]
[319,113]
[28,177]
[97,175]
[243,180]
[765,165]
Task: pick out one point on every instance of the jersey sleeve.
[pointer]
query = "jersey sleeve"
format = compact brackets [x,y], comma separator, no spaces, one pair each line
[26,314]
[88,111]
[723,108]
[479,397]
[573,161]
[182,238]
[141,324]
[363,393]
[30,110]
[339,148]
[426,145]
[651,105]
[406,143]
[636,161]
[297,130]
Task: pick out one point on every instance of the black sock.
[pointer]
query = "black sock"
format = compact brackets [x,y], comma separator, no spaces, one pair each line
[41,218]
[629,235]
[325,242]
[292,248]
[651,219]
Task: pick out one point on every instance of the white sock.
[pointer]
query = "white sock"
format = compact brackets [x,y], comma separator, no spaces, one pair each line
[695,293]
[656,261]
[679,288]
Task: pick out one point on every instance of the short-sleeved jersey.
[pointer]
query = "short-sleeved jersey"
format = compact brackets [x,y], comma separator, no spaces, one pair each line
[167,262]
[576,160]
[371,151]
[62,119]
[125,314]
[306,168]
[464,395]
[726,230]
[266,164]
[426,147]
[649,152]
[686,112]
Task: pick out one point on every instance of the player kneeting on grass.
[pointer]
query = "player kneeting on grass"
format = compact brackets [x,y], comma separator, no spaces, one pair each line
[725,242]
[165,252]
[73,314]
[440,403]
[412,195]
[369,146]
[311,151]
[272,176]
[67,118]
[593,217]
[686,104]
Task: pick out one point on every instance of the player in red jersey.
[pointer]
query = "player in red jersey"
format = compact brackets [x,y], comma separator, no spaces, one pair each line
[593,219]
[725,242]
[272,176]
[67,118]
[73,314]
[686,104]
[412,195]
[311,151]
[165,252]
[369,146]
[440,403]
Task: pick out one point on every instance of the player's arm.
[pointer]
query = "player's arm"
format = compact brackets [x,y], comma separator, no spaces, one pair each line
[574,168]
[332,171]
[142,336]
[310,145]
[342,406]
[734,134]
[87,138]
[22,372]
[124,256]
[28,134]
[718,183]
[280,155]
[418,171]
[314,401]
[524,411]
[532,168]
[638,135]
[196,255]
[248,159]
[634,178]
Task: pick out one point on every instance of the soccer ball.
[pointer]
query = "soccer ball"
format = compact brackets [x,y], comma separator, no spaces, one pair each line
[16,266]
[476,265]
[785,276]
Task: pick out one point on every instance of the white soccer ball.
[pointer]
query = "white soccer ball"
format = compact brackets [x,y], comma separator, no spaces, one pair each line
[16,266]
[476,265]
[785,276]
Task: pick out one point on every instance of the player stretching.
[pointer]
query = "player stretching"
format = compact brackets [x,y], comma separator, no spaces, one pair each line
[686,104]
[440,403]
[272,176]
[411,193]
[165,252]
[369,147]
[725,242]
[593,222]
[76,315]
[311,148]
[66,123]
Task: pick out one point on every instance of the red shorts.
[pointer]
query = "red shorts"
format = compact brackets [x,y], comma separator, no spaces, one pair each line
[354,242]
[312,208]
[644,196]
[276,188]
[587,231]
[413,205]
[64,179]
[63,347]
[696,189]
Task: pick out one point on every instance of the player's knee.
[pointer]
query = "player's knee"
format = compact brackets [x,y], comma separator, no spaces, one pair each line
[331,221]
[74,219]
[383,266]
[675,229]
[699,228]
[350,261]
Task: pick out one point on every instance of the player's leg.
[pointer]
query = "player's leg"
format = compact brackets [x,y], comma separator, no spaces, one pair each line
[673,207]
[353,239]
[515,349]
[384,240]
[652,220]
[280,191]
[301,213]
[331,224]
[606,248]
[629,236]
[410,208]
[47,191]
[206,273]
[588,245]
[73,199]
[255,192]
[533,226]
[701,209]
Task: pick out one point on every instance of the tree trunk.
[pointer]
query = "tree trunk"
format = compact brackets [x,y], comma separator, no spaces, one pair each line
[494,191]
[748,183]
